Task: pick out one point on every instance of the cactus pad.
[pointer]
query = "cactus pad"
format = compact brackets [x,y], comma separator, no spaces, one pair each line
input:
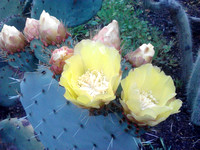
[8,86]
[195,118]
[194,82]
[71,12]
[24,60]
[18,134]
[17,22]
[193,92]
[125,67]
[62,125]
[9,8]
[2,62]
[43,53]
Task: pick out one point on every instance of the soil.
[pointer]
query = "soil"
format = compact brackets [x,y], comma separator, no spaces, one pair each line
[177,132]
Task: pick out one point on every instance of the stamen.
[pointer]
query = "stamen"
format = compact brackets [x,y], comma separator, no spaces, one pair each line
[93,82]
[147,100]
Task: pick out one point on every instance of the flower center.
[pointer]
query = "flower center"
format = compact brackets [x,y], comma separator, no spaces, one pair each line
[93,82]
[147,100]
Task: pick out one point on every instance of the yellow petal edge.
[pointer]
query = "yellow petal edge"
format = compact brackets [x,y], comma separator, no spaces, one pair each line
[148,96]
[90,56]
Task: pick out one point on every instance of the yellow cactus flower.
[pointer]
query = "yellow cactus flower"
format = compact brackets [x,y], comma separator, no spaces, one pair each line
[91,76]
[148,96]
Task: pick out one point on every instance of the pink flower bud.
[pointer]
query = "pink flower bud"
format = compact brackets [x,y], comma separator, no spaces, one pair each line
[12,40]
[141,55]
[109,35]
[51,29]
[31,29]
[58,58]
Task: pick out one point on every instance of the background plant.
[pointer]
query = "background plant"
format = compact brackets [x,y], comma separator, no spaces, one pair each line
[133,29]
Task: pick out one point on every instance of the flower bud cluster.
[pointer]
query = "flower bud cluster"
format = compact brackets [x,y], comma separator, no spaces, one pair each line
[48,28]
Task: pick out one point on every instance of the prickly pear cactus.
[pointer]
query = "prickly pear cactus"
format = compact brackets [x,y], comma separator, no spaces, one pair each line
[2,62]
[61,125]
[71,12]
[43,53]
[195,118]
[9,86]
[18,134]
[9,8]
[17,22]
[125,67]
[24,60]
[27,7]
[193,92]
[194,82]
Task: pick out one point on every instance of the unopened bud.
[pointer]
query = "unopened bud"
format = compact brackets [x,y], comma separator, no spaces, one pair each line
[11,39]
[51,29]
[31,29]
[141,55]
[109,35]
[58,58]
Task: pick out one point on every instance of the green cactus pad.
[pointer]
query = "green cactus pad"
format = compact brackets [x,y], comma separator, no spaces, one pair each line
[195,118]
[71,12]
[62,125]
[9,8]
[193,92]
[23,60]
[43,53]
[125,67]
[2,62]
[18,134]
[17,22]
[194,82]
[8,86]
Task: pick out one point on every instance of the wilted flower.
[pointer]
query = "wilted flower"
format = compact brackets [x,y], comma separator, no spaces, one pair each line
[91,76]
[11,40]
[58,58]
[141,55]
[31,29]
[51,29]
[148,96]
[109,35]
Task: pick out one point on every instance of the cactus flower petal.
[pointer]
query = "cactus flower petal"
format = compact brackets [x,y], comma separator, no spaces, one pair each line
[91,76]
[31,29]
[148,96]
[12,40]
[58,58]
[141,55]
[109,35]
